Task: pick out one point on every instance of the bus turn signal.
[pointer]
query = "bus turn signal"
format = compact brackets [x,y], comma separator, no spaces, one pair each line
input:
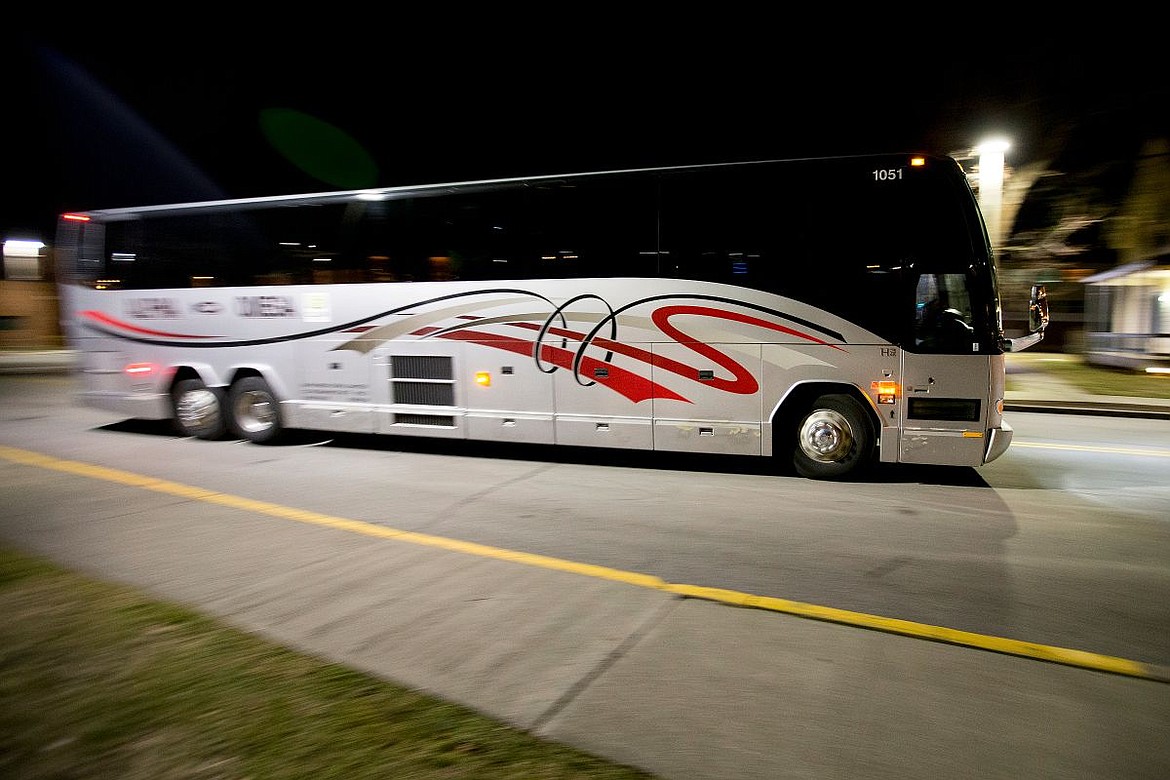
[886,391]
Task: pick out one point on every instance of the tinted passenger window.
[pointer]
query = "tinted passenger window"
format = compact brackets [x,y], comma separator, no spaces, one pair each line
[594,228]
[554,229]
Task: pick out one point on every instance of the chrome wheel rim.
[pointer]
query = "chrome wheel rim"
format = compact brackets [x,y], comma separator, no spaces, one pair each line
[826,436]
[255,411]
[197,409]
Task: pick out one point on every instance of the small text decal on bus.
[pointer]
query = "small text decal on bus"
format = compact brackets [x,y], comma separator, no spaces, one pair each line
[152,308]
[265,306]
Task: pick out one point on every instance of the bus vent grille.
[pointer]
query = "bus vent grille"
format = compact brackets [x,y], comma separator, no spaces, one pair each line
[421,367]
[424,393]
[425,380]
[445,421]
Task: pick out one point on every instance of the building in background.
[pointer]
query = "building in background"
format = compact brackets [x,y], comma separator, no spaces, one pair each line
[29,316]
[1127,315]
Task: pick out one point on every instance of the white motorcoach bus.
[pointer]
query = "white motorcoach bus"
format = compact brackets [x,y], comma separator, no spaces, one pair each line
[829,313]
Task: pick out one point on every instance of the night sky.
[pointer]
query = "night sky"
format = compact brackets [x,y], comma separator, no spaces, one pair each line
[98,121]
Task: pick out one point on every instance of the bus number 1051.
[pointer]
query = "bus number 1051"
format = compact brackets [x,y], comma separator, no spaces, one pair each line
[887,174]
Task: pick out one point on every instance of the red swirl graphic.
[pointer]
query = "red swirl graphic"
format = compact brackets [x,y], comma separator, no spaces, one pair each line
[106,319]
[743,383]
[633,386]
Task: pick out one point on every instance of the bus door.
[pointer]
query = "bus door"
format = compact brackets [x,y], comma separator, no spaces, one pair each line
[946,375]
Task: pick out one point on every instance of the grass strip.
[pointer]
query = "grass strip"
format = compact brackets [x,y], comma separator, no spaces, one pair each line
[98,681]
[1099,380]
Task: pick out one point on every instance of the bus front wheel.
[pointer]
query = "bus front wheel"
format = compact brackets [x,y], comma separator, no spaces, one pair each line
[198,409]
[254,410]
[833,439]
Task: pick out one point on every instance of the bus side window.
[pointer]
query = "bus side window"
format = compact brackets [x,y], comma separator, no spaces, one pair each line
[594,229]
[942,320]
[720,228]
[453,238]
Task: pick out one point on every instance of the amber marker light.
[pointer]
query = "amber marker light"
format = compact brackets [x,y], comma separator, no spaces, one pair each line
[885,390]
[917,162]
[75,217]
[483,378]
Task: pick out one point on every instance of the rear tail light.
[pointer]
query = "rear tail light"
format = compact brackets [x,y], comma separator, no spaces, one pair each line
[140,370]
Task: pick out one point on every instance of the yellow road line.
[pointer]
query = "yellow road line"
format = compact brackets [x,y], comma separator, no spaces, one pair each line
[1059,655]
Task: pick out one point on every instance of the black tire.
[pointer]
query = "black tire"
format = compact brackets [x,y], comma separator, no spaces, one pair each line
[198,409]
[254,411]
[833,440]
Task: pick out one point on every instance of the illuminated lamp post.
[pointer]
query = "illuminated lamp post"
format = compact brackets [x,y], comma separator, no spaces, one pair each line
[991,186]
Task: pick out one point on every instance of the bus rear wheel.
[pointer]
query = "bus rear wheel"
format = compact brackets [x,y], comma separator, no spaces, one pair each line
[198,409]
[254,410]
[834,439]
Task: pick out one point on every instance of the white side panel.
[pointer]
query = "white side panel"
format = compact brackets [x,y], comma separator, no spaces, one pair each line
[335,390]
[707,398]
[620,432]
[339,417]
[707,436]
[607,402]
[502,426]
[509,398]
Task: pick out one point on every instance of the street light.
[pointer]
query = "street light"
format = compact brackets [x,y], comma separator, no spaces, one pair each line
[991,154]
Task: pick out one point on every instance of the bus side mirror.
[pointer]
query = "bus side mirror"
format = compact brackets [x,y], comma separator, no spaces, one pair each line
[1038,309]
[1037,322]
